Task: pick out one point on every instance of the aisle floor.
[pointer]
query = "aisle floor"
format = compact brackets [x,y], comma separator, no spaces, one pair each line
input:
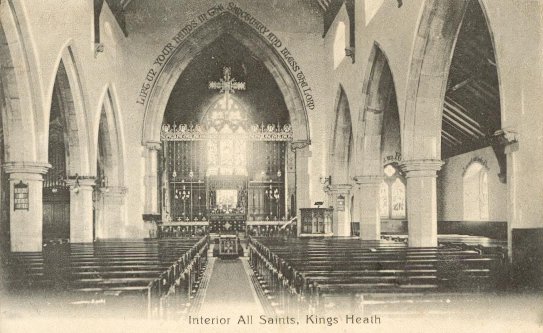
[229,290]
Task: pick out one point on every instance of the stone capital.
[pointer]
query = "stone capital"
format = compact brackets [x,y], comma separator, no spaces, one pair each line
[505,136]
[81,183]
[26,167]
[339,188]
[153,145]
[298,145]
[114,191]
[368,180]
[421,168]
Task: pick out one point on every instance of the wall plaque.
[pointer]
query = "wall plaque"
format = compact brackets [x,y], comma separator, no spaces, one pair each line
[340,203]
[20,193]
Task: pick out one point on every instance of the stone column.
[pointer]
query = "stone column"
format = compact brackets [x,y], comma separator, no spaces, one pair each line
[367,199]
[113,220]
[151,178]
[301,149]
[81,209]
[342,222]
[422,201]
[26,225]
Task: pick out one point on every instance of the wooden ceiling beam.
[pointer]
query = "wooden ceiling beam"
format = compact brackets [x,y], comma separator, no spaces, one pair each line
[451,128]
[454,141]
[453,106]
[460,125]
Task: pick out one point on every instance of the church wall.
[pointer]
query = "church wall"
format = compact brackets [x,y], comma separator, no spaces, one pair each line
[450,190]
[516,27]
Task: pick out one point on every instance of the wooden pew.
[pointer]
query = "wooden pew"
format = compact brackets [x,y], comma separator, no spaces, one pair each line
[148,271]
[317,269]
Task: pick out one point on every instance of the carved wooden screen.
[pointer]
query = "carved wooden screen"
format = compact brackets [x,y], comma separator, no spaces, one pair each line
[56,193]
[185,166]
[267,181]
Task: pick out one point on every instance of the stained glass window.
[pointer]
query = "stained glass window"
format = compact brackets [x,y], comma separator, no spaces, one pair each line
[227,153]
[392,203]
[383,202]
[398,199]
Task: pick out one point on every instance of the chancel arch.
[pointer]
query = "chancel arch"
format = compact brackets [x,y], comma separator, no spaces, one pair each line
[226,145]
[228,24]
[225,25]
[339,165]
[378,142]
[110,190]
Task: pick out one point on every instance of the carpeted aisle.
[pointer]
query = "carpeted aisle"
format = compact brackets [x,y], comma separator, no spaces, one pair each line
[229,290]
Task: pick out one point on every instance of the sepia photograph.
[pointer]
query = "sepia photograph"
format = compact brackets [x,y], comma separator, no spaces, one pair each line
[271,166]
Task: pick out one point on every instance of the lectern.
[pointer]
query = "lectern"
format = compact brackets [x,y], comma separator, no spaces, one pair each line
[228,246]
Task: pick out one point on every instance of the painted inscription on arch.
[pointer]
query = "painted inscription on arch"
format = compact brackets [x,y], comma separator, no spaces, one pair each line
[271,38]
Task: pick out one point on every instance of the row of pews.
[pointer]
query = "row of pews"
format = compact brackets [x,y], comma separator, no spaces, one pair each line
[325,275]
[142,277]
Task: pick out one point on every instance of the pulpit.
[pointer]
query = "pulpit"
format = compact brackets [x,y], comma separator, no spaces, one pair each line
[316,222]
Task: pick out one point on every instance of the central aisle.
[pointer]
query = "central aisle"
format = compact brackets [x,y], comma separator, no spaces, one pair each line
[230,290]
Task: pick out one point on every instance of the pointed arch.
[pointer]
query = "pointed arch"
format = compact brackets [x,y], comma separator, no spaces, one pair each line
[378,92]
[24,127]
[109,139]
[226,23]
[68,90]
[427,78]
[341,140]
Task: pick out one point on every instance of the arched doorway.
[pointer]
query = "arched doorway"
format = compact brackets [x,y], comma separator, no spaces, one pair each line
[339,165]
[271,60]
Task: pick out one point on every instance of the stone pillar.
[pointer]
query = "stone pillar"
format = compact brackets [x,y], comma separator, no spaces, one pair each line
[367,199]
[151,178]
[301,149]
[81,209]
[26,225]
[342,221]
[111,223]
[422,201]
[512,201]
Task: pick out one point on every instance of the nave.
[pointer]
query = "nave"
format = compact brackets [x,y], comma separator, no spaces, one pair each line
[163,160]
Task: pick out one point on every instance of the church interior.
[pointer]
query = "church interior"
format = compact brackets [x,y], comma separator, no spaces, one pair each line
[303,159]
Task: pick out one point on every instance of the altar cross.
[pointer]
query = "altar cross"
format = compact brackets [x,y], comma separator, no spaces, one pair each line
[227,84]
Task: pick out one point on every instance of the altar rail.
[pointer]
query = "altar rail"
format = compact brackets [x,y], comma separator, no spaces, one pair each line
[198,228]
